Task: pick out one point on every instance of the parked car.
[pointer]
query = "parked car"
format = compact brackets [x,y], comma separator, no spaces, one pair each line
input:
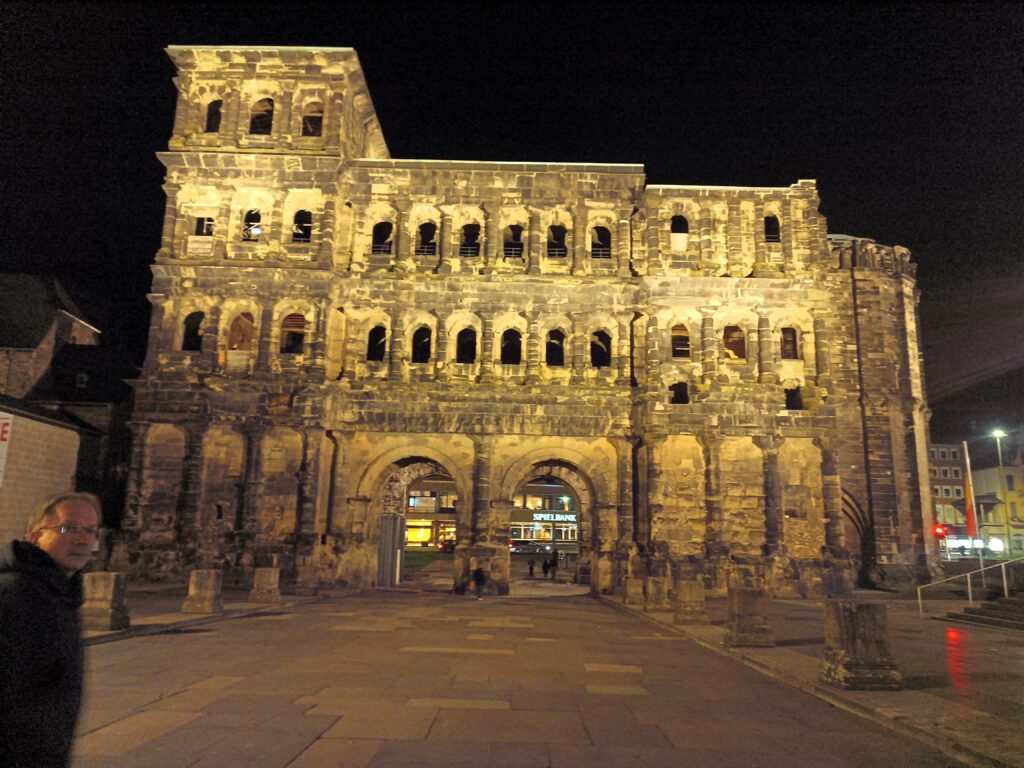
[529,547]
[448,545]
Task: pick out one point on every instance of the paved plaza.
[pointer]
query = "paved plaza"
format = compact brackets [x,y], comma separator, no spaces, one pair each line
[420,677]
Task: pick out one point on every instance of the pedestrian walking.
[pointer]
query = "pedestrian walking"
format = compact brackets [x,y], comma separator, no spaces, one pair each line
[479,581]
[554,566]
[545,566]
[40,637]
[530,564]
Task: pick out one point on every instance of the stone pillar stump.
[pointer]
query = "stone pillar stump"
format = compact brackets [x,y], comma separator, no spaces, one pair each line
[748,625]
[104,605]
[634,591]
[655,594]
[857,655]
[203,592]
[689,603]
[266,586]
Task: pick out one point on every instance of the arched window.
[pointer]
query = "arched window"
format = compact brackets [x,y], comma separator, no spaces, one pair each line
[601,243]
[213,113]
[513,242]
[261,117]
[293,334]
[376,344]
[600,349]
[511,347]
[192,334]
[680,394]
[251,226]
[772,233]
[790,344]
[240,332]
[680,341]
[465,346]
[313,119]
[679,237]
[555,353]
[469,246]
[735,343]
[557,248]
[382,237]
[421,345]
[425,243]
[302,227]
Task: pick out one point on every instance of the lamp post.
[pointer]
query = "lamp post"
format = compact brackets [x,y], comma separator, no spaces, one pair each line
[999,434]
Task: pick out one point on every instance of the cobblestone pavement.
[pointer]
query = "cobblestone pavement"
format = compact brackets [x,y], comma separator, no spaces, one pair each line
[420,677]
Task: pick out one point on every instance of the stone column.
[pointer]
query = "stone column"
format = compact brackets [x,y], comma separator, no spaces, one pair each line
[761,258]
[104,606]
[622,247]
[734,238]
[487,350]
[492,237]
[579,238]
[765,351]
[689,603]
[277,228]
[773,520]
[624,497]
[235,124]
[444,237]
[208,355]
[822,352]
[334,114]
[252,478]
[655,593]
[748,625]
[318,346]
[482,522]
[714,538]
[832,494]
[263,350]
[655,266]
[204,590]
[192,482]
[154,344]
[281,131]
[653,345]
[396,352]
[182,124]
[266,586]
[706,228]
[577,342]
[624,354]
[857,655]
[222,229]
[533,244]
[309,476]
[441,342]
[654,443]
[533,347]
[357,254]
[403,240]
[168,243]
[708,345]
[133,520]
[787,229]
[328,222]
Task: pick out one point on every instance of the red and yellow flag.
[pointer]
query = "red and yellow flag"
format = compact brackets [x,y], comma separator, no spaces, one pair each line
[970,515]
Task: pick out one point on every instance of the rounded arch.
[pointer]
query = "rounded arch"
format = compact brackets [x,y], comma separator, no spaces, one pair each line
[529,464]
[379,470]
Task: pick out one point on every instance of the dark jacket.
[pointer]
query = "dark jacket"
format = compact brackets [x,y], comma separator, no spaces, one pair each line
[40,658]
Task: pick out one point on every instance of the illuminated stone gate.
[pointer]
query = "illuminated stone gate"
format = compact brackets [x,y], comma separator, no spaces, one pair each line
[729,390]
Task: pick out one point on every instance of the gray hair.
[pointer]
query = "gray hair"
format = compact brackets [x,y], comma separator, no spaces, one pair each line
[43,511]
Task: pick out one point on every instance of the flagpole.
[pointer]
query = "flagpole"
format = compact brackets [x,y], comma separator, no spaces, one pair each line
[972,514]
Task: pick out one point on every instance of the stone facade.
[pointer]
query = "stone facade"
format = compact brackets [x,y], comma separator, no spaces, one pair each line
[727,390]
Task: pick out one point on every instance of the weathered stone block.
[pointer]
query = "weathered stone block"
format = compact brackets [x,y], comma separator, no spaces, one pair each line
[857,655]
[266,586]
[655,594]
[203,593]
[634,591]
[689,603]
[104,606]
[748,625]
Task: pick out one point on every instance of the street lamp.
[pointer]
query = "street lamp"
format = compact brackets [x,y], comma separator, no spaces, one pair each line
[999,434]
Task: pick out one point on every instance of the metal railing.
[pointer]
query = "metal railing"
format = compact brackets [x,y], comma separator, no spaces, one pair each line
[970,591]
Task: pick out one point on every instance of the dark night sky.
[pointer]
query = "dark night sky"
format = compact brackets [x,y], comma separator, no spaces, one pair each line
[910,117]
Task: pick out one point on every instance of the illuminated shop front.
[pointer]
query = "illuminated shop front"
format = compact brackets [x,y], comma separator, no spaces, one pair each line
[545,512]
[430,513]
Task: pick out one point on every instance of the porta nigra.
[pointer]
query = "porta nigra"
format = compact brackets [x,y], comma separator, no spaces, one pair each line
[713,384]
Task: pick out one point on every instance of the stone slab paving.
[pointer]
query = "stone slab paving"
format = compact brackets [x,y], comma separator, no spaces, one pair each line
[565,681]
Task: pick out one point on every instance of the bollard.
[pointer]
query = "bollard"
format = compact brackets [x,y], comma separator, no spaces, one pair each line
[634,591]
[689,603]
[857,653]
[203,593]
[104,604]
[266,586]
[748,625]
[655,598]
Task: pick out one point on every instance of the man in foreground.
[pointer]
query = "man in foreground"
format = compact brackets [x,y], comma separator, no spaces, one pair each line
[40,639]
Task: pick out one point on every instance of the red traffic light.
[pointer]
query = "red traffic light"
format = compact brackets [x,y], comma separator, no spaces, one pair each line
[940,531]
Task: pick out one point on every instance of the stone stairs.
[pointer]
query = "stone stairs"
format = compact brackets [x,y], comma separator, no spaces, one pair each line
[1004,612]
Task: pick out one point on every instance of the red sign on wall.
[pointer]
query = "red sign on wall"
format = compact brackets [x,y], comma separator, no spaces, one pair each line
[6,421]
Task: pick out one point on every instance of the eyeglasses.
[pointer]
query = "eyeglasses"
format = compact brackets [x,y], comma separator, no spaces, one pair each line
[65,528]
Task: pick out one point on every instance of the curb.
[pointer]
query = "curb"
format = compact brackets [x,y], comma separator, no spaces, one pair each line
[935,738]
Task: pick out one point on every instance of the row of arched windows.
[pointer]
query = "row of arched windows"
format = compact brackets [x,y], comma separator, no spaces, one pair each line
[292,337]
[261,117]
[734,342]
[510,347]
[469,241]
[681,226]
[253,228]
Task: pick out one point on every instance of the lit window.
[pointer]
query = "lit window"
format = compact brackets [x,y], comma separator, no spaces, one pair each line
[251,225]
